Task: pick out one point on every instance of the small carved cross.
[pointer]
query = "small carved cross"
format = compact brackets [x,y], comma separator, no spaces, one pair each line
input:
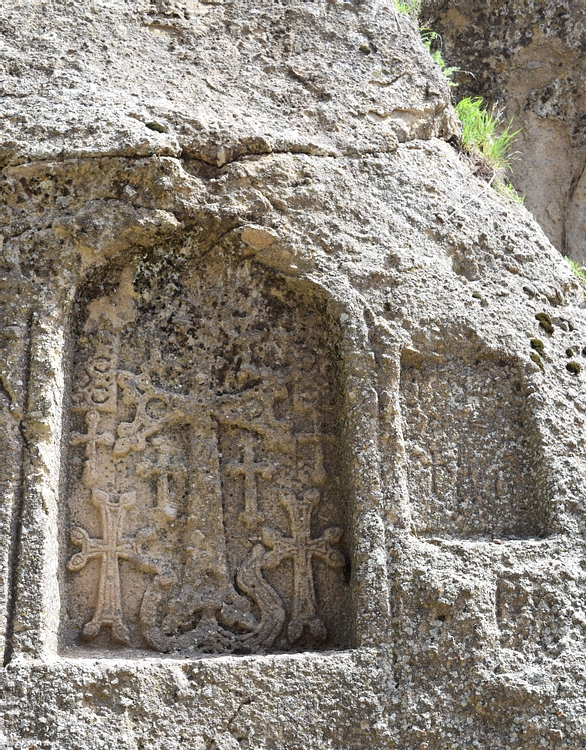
[110,549]
[249,469]
[312,438]
[301,549]
[92,439]
[161,472]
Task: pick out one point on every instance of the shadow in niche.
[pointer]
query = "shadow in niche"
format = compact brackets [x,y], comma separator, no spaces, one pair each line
[205,511]
[474,463]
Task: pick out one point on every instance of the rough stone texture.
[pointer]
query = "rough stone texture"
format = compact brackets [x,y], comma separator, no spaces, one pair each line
[299,276]
[449,407]
[529,59]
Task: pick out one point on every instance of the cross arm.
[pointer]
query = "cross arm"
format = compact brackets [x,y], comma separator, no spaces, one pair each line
[266,472]
[234,468]
[324,548]
[129,552]
[89,548]
[280,547]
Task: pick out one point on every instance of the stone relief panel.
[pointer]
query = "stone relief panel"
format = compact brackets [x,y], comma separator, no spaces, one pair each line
[470,467]
[204,509]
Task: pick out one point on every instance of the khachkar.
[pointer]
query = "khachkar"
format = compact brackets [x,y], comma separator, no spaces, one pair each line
[208,505]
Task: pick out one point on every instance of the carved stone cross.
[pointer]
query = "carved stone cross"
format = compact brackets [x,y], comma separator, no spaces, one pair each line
[301,549]
[249,469]
[110,549]
[162,472]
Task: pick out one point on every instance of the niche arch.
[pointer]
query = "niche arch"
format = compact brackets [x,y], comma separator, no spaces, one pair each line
[205,510]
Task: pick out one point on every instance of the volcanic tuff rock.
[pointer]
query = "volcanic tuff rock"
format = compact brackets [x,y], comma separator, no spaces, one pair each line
[293,405]
[529,58]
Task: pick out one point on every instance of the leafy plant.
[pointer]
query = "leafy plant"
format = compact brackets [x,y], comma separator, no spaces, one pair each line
[505,188]
[577,268]
[429,38]
[483,136]
[408,7]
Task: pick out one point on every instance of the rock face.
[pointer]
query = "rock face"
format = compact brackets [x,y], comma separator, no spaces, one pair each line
[292,403]
[529,58]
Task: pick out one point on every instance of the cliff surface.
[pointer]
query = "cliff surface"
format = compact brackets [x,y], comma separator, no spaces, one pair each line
[529,59]
[292,403]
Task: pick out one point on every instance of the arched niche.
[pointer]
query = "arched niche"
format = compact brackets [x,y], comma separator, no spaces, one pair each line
[204,507]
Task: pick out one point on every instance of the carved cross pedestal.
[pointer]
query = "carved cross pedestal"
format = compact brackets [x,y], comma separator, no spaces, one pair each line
[110,549]
[301,549]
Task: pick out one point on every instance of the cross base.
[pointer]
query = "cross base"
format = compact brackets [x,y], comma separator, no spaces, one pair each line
[120,633]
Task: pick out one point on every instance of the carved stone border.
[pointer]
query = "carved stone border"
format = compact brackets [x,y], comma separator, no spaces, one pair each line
[36,612]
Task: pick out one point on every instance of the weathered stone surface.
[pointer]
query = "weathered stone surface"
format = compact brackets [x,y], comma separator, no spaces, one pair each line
[292,410]
[246,79]
[529,58]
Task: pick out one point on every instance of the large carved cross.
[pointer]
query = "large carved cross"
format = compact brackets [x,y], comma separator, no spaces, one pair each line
[249,469]
[207,585]
[301,549]
[111,548]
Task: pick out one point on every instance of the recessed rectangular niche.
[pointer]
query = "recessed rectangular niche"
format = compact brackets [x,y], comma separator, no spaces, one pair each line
[469,460]
[204,508]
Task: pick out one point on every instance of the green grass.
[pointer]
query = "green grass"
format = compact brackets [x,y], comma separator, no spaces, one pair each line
[578,269]
[505,188]
[483,133]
